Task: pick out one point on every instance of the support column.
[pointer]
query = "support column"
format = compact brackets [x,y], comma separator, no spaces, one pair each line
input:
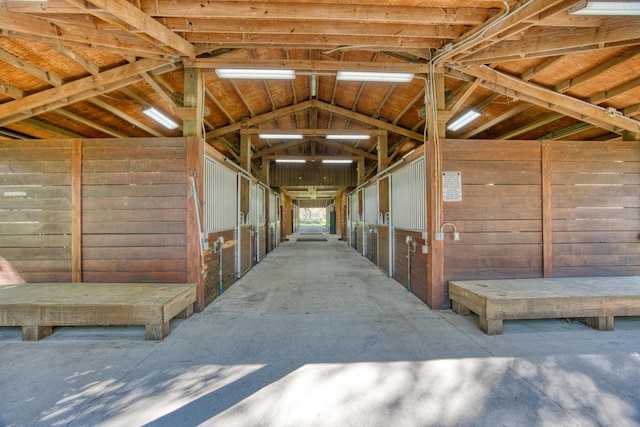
[361,172]
[76,210]
[547,223]
[193,102]
[192,130]
[383,151]
[436,127]
[245,150]
[266,168]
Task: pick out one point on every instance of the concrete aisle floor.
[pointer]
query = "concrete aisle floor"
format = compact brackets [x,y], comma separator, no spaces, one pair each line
[315,335]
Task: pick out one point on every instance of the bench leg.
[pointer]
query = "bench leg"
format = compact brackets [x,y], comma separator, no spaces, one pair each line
[35,333]
[602,323]
[459,308]
[158,332]
[186,313]
[490,326]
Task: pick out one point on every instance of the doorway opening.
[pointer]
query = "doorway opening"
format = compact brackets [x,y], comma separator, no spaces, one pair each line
[313,217]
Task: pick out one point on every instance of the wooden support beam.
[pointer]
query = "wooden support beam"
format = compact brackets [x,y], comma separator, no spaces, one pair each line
[383,152]
[29,106]
[76,210]
[140,21]
[193,99]
[433,198]
[195,168]
[547,217]
[245,151]
[552,100]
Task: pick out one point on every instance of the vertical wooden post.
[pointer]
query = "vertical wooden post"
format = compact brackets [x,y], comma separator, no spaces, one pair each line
[245,151]
[435,256]
[193,100]
[195,168]
[76,210]
[383,151]
[547,222]
[266,166]
[192,129]
[361,175]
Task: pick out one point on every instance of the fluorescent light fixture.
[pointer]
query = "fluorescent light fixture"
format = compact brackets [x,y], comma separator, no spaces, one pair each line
[463,120]
[588,7]
[159,117]
[291,161]
[366,76]
[337,161]
[348,136]
[248,73]
[280,136]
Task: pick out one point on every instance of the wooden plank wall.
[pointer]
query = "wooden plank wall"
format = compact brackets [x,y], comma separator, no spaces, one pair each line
[212,263]
[543,209]
[595,208]
[134,210]
[104,210]
[35,208]
[418,262]
[500,215]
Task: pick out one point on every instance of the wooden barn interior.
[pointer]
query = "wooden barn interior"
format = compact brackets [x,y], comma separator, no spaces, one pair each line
[542,182]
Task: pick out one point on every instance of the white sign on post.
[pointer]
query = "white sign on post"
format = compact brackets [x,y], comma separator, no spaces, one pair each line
[452,186]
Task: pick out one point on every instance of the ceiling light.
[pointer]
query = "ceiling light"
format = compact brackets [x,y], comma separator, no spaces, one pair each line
[247,73]
[290,161]
[588,7]
[348,136]
[161,118]
[463,120]
[337,161]
[280,136]
[366,76]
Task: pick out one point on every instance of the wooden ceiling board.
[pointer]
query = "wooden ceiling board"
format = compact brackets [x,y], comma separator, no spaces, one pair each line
[591,62]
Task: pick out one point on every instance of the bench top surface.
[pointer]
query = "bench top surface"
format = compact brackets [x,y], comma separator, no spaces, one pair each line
[92,293]
[623,286]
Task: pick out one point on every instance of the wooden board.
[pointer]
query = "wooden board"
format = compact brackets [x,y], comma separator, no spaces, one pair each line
[599,299]
[37,307]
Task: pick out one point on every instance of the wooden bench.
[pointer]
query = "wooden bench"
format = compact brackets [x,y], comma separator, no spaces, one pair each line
[596,299]
[38,307]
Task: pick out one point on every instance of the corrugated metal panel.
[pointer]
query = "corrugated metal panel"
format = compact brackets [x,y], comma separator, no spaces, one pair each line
[274,200]
[355,209]
[371,204]
[408,197]
[220,197]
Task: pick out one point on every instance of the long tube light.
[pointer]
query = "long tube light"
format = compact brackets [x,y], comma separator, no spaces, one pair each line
[291,161]
[463,120]
[589,7]
[348,136]
[159,117]
[279,136]
[344,161]
[367,76]
[248,73]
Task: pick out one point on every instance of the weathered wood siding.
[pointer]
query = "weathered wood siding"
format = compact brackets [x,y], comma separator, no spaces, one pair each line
[418,274]
[134,210]
[543,209]
[212,263]
[500,215]
[595,208]
[35,208]
[107,210]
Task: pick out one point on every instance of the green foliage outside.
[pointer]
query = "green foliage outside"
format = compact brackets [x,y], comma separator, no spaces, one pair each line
[310,217]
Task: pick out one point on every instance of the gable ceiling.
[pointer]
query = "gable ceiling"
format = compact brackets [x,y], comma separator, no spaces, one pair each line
[76,68]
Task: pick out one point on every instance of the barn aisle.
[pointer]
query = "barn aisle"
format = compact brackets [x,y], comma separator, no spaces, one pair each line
[316,335]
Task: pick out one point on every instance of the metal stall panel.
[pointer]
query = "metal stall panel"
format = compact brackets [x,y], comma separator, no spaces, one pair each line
[370,223]
[408,197]
[220,197]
